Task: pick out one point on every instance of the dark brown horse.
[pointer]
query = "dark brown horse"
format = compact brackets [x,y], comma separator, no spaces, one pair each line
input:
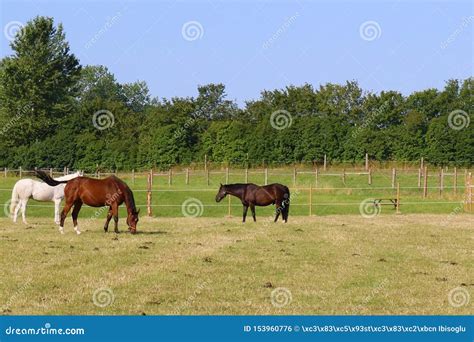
[110,192]
[251,195]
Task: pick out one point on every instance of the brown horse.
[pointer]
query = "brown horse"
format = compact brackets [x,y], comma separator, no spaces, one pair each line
[251,195]
[110,192]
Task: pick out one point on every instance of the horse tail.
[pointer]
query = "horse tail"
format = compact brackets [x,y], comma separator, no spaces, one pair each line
[14,200]
[287,204]
[48,179]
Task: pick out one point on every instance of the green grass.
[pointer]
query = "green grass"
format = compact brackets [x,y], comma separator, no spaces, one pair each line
[330,195]
[341,264]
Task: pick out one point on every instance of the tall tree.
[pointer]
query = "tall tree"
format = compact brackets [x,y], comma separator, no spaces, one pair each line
[38,82]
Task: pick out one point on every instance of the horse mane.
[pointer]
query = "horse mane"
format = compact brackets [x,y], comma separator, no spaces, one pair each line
[130,200]
[236,185]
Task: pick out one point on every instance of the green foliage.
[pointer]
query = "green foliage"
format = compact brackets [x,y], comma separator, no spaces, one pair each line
[49,102]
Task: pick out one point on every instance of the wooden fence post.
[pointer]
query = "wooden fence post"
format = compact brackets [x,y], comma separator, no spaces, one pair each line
[394,177]
[6,170]
[455,180]
[425,182]
[266,176]
[148,194]
[51,172]
[187,176]
[246,175]
[207,176]
[366,162]
[398,198]
[325,162]
[316,176]
[310,200]
[422,163]
[151,176]
[64,171]
[21,172]
[344,176]
[468,192]
[170,177]
[227,176]
[419,177]
[294,176]
[205,162]
[370,177]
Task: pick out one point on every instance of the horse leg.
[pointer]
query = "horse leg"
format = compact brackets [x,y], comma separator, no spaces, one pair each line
[75,214]
[16,210]
[286,211]
[109,217]
[252,207]
[57,203]
[278,210]
[246,207]
[64,213]
[23,210]
[115,215]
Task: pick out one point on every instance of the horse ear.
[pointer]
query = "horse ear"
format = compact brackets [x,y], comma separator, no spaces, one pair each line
[138,211]
[221,184]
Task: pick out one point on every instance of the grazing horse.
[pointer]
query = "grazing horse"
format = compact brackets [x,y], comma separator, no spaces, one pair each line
[110,192]
[27,188]
[252,195]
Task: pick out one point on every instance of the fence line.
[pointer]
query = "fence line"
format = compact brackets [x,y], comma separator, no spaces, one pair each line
[423,174]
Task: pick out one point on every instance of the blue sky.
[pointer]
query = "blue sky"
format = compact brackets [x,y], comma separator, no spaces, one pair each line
[252,46]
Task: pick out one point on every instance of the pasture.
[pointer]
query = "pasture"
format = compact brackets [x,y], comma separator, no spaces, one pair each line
[334,264]
[335,261]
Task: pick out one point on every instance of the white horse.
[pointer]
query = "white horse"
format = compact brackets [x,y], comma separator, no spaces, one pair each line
[27,188]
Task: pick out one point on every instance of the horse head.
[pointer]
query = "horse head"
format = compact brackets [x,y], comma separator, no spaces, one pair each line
[221,193]
[132,220]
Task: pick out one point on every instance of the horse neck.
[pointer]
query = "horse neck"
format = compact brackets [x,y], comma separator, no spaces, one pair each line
[234,190]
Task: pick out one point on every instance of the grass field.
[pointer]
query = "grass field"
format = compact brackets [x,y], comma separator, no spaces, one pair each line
[340,264]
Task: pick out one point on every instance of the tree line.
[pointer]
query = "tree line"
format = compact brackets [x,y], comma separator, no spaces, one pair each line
[54,112]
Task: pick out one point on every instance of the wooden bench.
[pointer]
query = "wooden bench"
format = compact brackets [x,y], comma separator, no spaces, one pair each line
[379,201]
